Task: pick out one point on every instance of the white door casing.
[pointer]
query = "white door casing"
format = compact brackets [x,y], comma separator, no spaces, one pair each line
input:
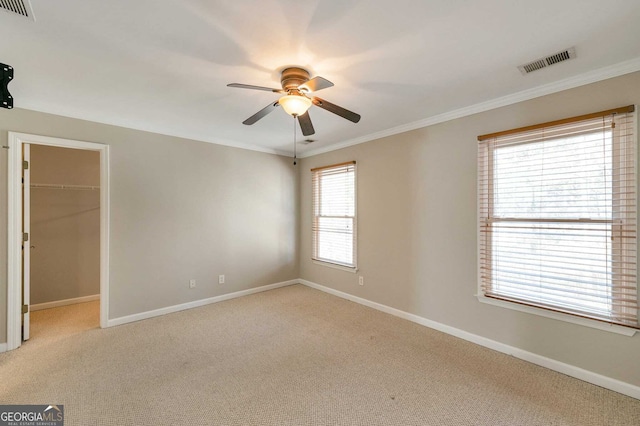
[16,141]
[26,241]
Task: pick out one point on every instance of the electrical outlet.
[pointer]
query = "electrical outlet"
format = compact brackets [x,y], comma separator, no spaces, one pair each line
[220,279]
[361,280]
[192,283]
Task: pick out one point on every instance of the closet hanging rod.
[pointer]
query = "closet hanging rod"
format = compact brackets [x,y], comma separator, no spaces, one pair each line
[57,186]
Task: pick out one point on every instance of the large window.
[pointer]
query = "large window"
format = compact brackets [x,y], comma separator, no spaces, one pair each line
[334,214]
[557,216]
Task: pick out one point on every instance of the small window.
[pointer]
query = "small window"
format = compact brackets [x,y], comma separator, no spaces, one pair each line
[334,214]
[557,216]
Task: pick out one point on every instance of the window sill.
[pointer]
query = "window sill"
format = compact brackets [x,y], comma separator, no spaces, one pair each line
[353,270]
[626,331]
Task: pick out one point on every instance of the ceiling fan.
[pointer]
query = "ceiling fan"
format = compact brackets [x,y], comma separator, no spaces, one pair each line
[297,87]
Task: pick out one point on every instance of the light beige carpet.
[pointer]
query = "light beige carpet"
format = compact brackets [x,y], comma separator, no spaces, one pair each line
[59,323]
[294,356]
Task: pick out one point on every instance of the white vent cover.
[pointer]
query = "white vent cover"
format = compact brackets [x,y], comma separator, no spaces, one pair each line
[19,7]
[556,58]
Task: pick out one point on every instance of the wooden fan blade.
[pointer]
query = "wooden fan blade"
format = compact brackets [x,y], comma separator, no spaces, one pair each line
[315,84]
[305,124]
[338,110]
[258,115]
[248,86]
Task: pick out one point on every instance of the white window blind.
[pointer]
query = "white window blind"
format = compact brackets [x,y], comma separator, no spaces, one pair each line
[334,214]
[557,216]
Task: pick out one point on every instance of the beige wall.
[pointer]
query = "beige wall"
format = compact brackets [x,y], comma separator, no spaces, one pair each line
[180,209]
[417,230]
[65,224]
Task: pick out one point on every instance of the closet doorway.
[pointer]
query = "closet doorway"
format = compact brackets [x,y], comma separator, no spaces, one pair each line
[58,237]
[64,240]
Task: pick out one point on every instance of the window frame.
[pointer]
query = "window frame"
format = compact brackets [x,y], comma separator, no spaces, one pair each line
[314,239]
[522,306]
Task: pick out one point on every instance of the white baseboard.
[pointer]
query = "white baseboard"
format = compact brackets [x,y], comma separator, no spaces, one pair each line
[65,302]
[570,370]
[195,304]
[3,347]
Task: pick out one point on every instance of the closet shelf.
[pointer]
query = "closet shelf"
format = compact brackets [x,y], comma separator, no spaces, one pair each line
[71,187]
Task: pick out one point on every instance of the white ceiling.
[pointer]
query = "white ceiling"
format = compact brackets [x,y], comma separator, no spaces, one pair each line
[163,65]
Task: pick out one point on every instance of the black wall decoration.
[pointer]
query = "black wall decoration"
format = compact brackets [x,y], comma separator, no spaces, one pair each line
[6,100]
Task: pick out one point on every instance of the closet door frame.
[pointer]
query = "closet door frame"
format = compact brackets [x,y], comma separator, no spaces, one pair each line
[15,222]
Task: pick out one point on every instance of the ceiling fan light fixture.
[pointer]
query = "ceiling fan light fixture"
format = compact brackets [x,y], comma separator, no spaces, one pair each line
[296,98]
[295,105]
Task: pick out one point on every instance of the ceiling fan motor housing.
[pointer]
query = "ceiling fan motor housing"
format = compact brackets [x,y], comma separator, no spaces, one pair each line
[293,77]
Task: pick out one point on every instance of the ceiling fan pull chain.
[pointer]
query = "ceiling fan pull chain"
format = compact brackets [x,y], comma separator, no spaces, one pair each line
[294,141]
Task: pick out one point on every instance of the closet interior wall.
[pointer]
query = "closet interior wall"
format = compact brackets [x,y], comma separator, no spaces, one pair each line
[65,224]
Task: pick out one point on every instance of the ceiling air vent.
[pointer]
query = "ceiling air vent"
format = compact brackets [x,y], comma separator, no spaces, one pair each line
[556,58]
[19,7]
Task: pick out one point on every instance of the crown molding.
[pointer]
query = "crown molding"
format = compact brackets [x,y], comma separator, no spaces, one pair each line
[34,106]
[600,74]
